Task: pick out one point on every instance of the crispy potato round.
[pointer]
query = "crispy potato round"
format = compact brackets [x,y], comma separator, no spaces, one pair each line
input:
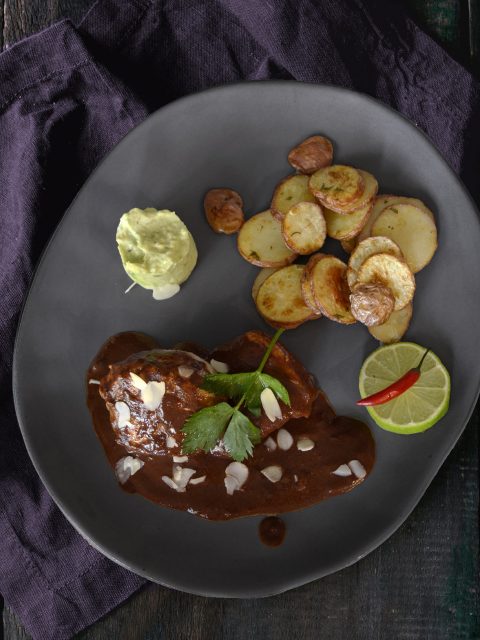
[312,154]
[290,191]
[224,210]
[349,245]
[260,242]
[365,249]
[337,186]
[395,327]
[412,229]
[327,275]
[381,203]
[371,304]
[392,272]
[345,227]
[260,279]
[279,300]
[303,228]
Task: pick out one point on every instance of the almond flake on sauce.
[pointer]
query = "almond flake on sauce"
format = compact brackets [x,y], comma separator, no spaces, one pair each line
[274,473]
[236,475]
[343,470]
[305,444]
[171,442]
[220,367]
[180,458]
[270,405]
[181,477]
[358,469]
[127,467]
[93,381]
[123,415]
[284,439]
[185,372]
[198,480]
[152,394]
[270,444]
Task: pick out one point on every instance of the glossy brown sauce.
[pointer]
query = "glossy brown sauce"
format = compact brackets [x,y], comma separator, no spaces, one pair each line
[272,531]
[307,475]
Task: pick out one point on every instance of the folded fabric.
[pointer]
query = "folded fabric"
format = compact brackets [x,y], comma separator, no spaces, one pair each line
[68,95]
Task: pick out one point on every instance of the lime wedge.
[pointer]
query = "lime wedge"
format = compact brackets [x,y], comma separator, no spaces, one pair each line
[418,408]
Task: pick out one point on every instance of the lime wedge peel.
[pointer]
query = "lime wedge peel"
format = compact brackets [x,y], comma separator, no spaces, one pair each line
[418,408]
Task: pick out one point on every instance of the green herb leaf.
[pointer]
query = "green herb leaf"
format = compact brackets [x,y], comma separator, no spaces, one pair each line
[240,436]
[205,427]
[230,385]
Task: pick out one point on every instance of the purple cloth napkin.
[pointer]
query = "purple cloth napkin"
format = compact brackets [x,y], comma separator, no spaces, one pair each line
[68,95]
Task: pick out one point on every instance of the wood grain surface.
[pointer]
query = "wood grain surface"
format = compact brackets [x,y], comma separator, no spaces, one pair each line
[422,584]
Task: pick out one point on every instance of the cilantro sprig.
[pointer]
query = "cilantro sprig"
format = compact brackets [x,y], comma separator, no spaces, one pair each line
[209,425]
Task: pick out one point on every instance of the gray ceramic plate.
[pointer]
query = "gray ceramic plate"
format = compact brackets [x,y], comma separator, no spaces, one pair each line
[237,136]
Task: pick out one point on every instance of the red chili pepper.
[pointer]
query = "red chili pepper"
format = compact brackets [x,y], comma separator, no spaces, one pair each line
[396,388]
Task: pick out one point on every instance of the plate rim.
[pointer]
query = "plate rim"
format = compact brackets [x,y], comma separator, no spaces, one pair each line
[130,565]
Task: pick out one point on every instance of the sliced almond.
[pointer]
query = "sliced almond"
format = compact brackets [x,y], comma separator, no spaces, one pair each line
[236,475]
[220,367]
[123,415]
[169,482]
[185,372]
[284,439]
[181,477]
[180,459]
[270,405]
[274,473]
[270,444]
[358,469]
[127,467]
[198,480]
[343,470]
[137,381]
[93,381]
[152,394]
[171,442]
[305,444]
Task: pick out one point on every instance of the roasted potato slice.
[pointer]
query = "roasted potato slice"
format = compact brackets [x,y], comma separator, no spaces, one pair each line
[413,229]
[224,210]
[381,203]
[327,275]
[307,291]
[260,242]
[371,304]
[337,186]
[312,154]
[365,249]
[260,279]
[303,228]
[290,191]
[395,327]
[345,227]
[279,300]
[393,272]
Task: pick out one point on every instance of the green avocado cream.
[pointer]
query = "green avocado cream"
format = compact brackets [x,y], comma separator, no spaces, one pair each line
[156,248]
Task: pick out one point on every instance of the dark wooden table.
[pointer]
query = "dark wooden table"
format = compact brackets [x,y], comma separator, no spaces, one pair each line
[422,584]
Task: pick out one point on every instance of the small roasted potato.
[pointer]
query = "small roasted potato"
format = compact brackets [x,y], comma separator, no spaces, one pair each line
[345,227]
[260,279]
[395,327]
[327,276]
[413,229]
[367,248]
[393,272]
[279,299]
[337,186]
[260,242]
[224,210]
[312,154]
[303,228]
[290,191]
[371,304]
